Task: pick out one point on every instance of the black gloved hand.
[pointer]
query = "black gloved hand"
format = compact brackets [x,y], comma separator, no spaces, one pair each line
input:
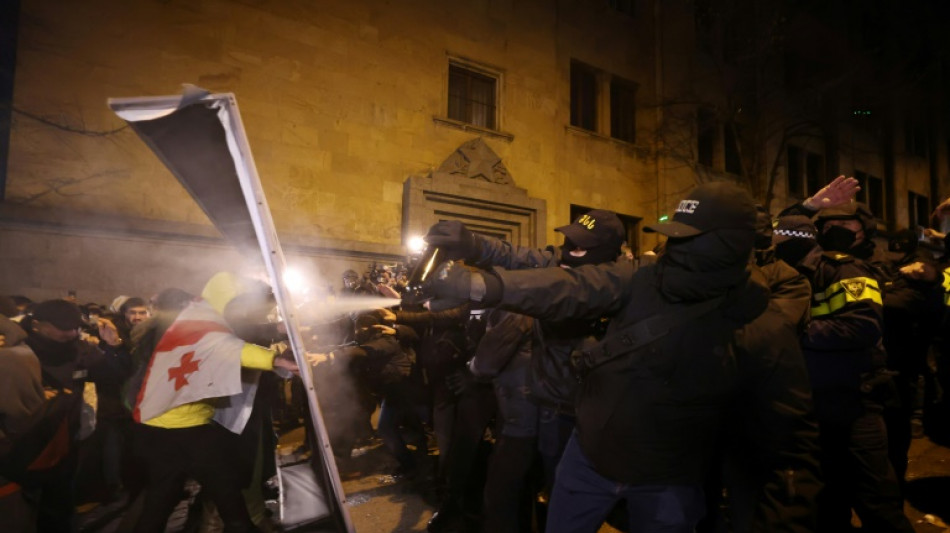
[452,281]
[453,237]
[460,381]
[456,282]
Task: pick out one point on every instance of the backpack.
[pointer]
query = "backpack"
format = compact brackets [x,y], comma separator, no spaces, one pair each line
[35,453]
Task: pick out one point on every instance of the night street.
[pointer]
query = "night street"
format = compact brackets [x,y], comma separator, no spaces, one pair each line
[380,503]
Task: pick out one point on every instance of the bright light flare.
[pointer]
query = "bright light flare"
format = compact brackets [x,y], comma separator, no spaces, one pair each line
[295,281]
[416,244]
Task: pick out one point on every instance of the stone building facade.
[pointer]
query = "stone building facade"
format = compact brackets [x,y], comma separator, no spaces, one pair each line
[346,106]
[368,121]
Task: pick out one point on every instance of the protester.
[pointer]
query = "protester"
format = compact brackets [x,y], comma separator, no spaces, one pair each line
[197,361]
[69,367]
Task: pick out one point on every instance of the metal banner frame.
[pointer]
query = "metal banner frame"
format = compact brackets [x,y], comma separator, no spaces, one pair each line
[187,132]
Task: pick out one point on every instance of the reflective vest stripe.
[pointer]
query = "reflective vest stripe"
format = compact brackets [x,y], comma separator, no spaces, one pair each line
[843,292]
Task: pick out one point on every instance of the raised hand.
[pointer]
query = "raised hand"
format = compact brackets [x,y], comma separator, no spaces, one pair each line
[838,192]
[108,332]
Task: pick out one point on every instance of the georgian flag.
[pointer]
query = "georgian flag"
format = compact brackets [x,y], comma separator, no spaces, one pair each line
[197,358]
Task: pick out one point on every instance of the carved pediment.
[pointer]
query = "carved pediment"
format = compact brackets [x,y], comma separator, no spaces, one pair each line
[465,188]
[475,160]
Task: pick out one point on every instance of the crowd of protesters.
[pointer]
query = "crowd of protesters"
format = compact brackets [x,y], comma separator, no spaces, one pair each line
[753,373]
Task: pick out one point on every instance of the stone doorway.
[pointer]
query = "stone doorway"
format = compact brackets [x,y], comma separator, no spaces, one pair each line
[472,185]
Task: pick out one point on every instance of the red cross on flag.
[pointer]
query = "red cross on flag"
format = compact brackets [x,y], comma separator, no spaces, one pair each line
[197,358]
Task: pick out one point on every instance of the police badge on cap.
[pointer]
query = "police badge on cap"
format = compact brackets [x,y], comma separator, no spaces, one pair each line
[595,228]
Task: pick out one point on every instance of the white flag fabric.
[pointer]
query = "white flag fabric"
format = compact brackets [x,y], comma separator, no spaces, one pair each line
[197,358]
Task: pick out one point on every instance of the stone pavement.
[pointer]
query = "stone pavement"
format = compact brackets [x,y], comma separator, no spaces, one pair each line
[380,503]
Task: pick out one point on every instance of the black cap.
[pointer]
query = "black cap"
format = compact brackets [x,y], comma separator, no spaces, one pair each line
[61,314]
[595,228]
[709,207]
[793,227]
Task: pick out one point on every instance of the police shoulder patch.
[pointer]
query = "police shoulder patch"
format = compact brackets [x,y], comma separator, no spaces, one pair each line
[854,286]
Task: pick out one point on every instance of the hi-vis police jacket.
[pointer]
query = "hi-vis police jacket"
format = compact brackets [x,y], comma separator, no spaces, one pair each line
[843,338]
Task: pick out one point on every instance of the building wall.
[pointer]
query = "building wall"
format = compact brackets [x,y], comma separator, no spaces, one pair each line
[341,101]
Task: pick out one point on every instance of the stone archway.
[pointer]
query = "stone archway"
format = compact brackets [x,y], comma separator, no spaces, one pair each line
[472,185]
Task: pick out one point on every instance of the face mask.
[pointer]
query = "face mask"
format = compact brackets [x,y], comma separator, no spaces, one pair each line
[792,251]
[837,239]
[710,252]
[591,256]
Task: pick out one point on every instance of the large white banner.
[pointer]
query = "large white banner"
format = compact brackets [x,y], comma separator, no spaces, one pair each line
[200,138]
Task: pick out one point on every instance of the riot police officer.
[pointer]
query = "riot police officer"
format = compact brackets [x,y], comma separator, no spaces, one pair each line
[842,347]
[656,387]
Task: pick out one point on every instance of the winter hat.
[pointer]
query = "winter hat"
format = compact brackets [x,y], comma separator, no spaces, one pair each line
[61,314]
[793,227]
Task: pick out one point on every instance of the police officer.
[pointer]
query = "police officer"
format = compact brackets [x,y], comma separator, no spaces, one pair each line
[593,238]
[656,386]
[841,345]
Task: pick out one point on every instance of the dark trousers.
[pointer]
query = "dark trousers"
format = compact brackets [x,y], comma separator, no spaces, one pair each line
[207,453]
[554,430]
[898,418]
[508,500]
[582,498]
[55,508]
[474,411]
[858,474]
[399,412]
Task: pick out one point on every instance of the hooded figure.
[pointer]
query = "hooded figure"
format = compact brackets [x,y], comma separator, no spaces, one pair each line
[199,358]
[201,370]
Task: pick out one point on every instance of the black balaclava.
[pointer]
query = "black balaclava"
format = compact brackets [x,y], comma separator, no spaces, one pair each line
[692,268]
[602,253]
[714,251]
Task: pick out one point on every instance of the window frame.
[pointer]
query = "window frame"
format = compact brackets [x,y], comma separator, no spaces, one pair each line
[623,115]
[472,72]
[707,137]
[918,210]
[584,91]
[873,193]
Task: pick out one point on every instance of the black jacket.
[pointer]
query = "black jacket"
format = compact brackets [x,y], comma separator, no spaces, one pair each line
[648,417]
[842,343]
[551,381]
[504,354]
